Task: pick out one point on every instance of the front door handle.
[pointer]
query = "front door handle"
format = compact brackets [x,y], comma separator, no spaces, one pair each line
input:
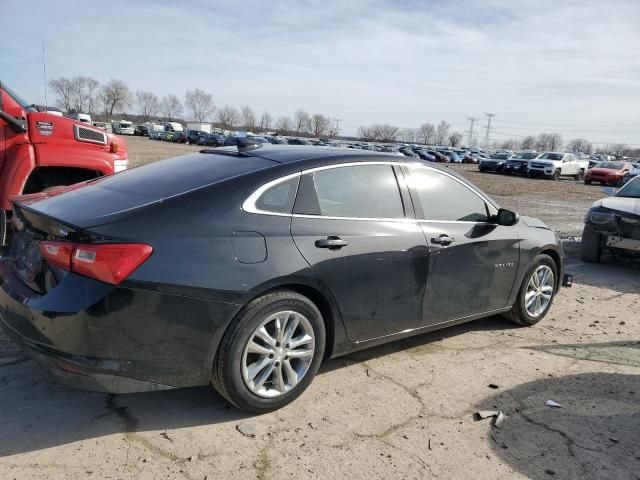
[443,239]
[332,243]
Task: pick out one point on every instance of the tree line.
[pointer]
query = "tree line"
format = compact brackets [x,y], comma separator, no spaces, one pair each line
[86,95]
[553,141]
[83,94]
[427,134]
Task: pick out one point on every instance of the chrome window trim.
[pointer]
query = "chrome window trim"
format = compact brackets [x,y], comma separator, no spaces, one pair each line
[249,205]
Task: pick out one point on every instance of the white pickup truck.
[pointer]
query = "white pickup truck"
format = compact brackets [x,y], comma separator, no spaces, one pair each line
[557,164]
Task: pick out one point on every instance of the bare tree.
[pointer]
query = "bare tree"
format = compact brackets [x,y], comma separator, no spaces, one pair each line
[367,132]
[548,141]
[228,117]
[510,144]
[148,104]
[284,124]
[334,129]
[618,149]
[200,103]
[300,121]
[408,135]
[248,118]
[426,133]
[382,132]
[265,121]
[455,138]
[580,145]
[64,92]
[319,125]
[171,107]
[528,142]
[386,133]
[115,95]
[91,86]
[76,95]
[442,132]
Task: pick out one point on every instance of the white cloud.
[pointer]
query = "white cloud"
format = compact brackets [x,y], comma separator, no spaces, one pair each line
[570,65]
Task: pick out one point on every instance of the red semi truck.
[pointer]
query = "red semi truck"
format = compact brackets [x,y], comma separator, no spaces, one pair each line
[40,151]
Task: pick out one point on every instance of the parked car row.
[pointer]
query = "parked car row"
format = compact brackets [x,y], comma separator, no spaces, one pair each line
[554,165]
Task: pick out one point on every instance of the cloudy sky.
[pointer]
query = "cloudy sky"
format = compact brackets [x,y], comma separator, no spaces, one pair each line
[564,66]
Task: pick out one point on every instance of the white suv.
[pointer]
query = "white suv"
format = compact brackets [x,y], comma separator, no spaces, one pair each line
[556,164]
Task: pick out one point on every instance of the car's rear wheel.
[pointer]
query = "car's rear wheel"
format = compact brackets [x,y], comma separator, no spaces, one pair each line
[536,292]
[579,176]
[591,245]
[271,353]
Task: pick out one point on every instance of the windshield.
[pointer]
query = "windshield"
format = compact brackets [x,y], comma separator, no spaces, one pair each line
[12,94]
[552,156]
[611,165]
[631,189]
[525,156]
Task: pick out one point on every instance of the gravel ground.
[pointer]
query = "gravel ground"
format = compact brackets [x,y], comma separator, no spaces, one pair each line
[404,410]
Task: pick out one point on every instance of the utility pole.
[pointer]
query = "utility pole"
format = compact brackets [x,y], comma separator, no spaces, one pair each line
[487,136]
[472,121]
[337,130]
[44,77]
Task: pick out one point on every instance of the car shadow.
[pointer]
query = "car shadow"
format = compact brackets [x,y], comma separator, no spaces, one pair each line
[38,412]
[614,272]
[593,436]
[493,323]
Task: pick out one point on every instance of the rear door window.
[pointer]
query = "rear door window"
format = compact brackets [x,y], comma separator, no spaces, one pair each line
[444,198]
[359,191]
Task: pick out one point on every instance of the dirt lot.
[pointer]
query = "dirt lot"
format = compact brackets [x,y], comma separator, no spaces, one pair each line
[404,410]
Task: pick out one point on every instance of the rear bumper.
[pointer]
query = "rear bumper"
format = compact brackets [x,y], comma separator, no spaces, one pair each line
[113,339]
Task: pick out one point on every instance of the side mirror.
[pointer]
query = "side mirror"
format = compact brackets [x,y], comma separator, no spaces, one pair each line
[505,217]
[609,191]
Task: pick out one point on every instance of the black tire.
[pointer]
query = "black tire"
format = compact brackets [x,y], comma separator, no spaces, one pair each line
[591,245]
[518,313]
[587,182]
[556,176]
[579,176]
[226,376]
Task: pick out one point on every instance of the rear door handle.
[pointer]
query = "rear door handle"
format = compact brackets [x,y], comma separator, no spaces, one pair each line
[332,243]
[443,239]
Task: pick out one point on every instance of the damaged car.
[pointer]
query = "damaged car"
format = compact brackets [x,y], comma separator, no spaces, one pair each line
[613,223]
[246,267]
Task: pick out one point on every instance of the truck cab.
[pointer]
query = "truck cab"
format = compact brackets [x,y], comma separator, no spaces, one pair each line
[554,165]
[40,151]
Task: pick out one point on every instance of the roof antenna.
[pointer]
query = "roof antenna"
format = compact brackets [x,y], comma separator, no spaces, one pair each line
[246,144]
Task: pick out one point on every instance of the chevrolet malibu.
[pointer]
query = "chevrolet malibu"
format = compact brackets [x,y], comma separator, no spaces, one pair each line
[246,267]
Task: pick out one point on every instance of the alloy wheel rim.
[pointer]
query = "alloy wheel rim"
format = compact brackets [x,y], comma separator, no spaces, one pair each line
[278,354]
[539,291]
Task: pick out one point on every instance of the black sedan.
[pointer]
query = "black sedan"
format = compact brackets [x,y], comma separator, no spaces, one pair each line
[246,267]
[517,165]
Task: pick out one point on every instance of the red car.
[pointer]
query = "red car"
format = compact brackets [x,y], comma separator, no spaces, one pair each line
[608,173]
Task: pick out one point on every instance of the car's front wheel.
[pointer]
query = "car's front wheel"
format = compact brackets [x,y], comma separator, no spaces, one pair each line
[271,353]
[536,292]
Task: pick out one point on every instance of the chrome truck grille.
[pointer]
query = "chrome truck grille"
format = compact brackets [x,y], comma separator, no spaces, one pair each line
[84,134]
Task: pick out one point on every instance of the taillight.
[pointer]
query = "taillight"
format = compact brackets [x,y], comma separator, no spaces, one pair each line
[107,262]
[57,253]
